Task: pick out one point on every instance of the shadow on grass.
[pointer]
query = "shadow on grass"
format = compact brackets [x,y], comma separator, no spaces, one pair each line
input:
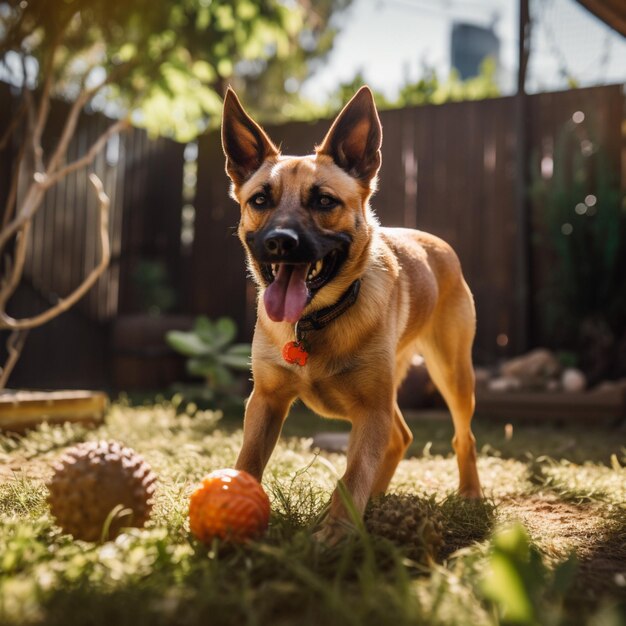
[602,563]
[465,522]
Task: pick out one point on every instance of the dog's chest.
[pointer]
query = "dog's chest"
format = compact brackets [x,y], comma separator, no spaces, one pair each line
[329,390]
[325,399]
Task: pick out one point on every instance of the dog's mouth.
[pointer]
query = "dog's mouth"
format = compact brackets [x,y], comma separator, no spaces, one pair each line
[291,286]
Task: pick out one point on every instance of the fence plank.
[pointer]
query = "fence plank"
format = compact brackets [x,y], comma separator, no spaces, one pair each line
[447,169]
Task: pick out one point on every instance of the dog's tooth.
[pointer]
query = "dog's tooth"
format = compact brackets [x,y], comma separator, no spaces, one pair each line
[274,268]
[316,270]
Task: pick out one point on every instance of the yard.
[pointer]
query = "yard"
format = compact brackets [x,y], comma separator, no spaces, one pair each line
[455,563]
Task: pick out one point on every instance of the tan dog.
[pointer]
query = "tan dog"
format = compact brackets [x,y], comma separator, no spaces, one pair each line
[366,299]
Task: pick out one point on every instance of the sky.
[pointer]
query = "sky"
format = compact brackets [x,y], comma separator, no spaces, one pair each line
[391,40]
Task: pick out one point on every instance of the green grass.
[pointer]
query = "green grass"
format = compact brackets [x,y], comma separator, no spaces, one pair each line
[425,556]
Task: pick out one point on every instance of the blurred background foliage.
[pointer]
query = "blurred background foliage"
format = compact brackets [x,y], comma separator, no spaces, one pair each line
[167,64]
[580,213]
[213,356]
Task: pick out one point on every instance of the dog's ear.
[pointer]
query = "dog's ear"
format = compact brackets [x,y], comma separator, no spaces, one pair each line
[244,142]
[355,137]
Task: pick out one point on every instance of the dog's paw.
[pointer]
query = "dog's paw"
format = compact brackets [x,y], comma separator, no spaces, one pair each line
[333,532]
[473,492]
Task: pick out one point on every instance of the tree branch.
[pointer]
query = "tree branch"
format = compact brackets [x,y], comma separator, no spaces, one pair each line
[7,322]
[44,105]
[72,118]
[29,206]
[89,156]
[15,345]
[42,182]
[69,128]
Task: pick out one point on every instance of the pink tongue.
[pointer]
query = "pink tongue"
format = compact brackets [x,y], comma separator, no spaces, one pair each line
[286,297]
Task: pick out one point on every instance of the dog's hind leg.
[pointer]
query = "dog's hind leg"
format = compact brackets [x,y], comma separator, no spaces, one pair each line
[400,440]
[447,349]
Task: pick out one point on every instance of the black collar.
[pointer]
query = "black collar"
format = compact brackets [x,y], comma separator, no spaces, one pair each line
[318,319]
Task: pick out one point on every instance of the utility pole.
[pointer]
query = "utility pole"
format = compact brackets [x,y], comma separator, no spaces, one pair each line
[523,252]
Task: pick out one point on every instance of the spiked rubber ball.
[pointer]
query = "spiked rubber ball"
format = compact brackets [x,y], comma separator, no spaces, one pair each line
[90,480]
[229,505]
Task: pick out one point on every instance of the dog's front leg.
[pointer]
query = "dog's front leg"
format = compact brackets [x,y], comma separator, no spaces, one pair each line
[369,440]
[265,414]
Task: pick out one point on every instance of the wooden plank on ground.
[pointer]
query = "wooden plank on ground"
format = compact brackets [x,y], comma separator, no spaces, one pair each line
[21,410]
[608,404]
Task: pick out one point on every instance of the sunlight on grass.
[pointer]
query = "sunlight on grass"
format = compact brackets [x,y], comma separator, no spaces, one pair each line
[422,559]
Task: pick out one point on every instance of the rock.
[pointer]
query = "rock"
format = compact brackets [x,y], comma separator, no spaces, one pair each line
[573,380]
[504,383]
[331,442]
[533,369]
[483,376]
[553,385]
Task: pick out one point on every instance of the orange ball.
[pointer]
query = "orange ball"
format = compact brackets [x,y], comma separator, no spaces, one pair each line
[231,505]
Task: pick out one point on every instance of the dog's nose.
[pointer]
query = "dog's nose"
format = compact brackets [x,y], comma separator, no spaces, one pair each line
[279,242]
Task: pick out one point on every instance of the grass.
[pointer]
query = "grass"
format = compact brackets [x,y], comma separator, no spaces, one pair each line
[424,557]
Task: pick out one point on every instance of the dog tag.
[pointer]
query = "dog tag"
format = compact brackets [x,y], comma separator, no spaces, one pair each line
[295,353]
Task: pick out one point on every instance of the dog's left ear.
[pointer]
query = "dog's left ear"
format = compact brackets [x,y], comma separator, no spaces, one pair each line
[355,137]
[245,143]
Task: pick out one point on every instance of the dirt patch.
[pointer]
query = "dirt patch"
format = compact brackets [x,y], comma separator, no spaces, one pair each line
[33,469]
[557,527]
[597,536]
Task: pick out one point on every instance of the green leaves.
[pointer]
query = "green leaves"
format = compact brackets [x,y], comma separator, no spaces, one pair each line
[138,45]
[211,351]
[512,577]
[519,583]
[187,344]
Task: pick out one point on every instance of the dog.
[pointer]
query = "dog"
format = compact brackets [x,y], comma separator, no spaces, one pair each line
[344,304]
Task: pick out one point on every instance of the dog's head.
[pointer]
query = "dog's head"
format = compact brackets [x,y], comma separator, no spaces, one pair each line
[305,221]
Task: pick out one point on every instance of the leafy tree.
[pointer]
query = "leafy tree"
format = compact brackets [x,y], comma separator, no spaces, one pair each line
[160,64]
[430,90]
[346,90]
[271,85]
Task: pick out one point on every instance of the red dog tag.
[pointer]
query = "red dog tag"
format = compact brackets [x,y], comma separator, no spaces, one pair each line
[294,353]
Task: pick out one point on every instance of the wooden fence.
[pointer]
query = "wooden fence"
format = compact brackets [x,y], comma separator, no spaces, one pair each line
[143,179]
[448,169]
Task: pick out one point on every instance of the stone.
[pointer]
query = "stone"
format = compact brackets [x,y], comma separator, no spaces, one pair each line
[553,385]
[330,442]
[483,376]
[532,369]
[573,380]
[504,383]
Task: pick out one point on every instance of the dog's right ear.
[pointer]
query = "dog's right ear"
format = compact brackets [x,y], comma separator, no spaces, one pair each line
[244,142]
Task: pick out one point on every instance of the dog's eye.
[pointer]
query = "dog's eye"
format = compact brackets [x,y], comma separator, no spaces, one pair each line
[326,202]
[259,201]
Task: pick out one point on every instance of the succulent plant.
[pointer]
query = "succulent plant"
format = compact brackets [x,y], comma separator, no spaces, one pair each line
[410,523]
[211,352]
[212,355]
[99,487]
